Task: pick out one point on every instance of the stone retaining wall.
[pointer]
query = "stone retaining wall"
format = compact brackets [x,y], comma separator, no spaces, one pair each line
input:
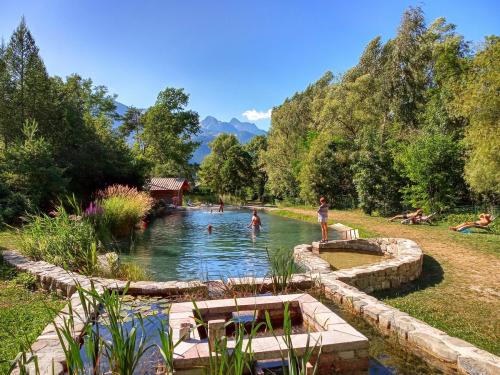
[56,279]
[345,287]
[404,265]
[449,354]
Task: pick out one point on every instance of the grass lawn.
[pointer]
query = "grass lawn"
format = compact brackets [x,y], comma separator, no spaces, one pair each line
[23,313]
[459,290]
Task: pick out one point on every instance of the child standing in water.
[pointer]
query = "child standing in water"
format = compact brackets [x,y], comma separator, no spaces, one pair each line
[323,219]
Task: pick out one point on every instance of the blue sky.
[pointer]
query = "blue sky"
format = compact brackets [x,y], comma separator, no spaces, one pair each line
[230,56]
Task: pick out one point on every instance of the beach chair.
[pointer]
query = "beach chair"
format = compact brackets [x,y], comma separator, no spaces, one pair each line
[351,234]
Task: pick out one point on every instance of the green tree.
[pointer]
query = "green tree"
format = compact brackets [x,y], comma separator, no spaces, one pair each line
[167,134]
[433,165]
[28,88]
[326,172]
[291,123]
[376,180]
[29,169]
[256,149]
[479,101]
[228,167]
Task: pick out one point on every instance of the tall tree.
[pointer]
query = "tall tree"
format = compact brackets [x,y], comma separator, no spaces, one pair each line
[29,83]
[479,100]
[256,149]
[29,168]
[167,133]
[228,167]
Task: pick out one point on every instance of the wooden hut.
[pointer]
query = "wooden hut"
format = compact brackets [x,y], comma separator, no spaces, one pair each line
[170,189]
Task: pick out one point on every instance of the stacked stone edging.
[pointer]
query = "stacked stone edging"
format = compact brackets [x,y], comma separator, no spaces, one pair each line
[57,279]
[449,354]
[405,264]
[347,288]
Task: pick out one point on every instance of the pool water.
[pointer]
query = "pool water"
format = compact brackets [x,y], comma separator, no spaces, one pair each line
[348,259]
[179,247]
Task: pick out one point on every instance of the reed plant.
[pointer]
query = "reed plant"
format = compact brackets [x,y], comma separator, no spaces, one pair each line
[65,240]
[282,268]
[123,208]
[236,358]
[295,363]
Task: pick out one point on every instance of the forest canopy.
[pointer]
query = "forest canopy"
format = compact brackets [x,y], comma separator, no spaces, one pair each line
[414,123]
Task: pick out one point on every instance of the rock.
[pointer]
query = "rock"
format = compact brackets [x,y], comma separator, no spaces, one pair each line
[109,262]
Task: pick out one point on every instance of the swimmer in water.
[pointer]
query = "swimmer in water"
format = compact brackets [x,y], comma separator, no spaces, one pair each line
[209,228]
[255,224]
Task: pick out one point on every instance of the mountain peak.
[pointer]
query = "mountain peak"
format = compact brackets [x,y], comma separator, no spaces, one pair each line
[211,128]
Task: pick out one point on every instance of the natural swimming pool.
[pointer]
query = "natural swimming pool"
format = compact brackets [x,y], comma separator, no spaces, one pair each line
[179,247]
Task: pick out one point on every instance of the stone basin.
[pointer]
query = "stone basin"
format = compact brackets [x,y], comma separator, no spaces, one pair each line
[343,349]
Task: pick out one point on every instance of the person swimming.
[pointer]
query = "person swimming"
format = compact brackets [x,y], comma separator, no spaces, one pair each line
[255,224]
[209,228]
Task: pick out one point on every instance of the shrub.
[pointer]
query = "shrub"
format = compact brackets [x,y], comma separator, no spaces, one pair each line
[26,280]
[65,240]
[124,207]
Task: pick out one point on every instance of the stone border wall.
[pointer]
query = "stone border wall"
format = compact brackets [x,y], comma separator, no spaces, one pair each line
[63,282]
[347,288]
[404,264]
[448,353]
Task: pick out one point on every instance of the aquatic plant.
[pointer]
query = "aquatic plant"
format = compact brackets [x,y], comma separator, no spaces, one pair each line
[282,268]
[237,359]
[124,207]
[65,240]
[167,346]
[295,364]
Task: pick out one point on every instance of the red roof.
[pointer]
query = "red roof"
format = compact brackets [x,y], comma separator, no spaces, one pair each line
[169,183]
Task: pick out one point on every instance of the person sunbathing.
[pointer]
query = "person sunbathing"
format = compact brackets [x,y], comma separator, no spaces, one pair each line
[419,212]
[483,222]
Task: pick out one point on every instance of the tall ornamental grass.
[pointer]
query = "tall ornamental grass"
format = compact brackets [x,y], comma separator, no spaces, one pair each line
[123,208]
[65,240]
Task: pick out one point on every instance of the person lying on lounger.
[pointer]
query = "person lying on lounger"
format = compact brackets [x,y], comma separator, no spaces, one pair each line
[419,212]
[483,222]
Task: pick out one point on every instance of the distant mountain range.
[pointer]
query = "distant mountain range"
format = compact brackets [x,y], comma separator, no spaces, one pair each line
[210,128]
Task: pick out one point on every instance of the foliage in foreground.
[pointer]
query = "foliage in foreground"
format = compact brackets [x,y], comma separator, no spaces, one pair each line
[23,313]
[126,343]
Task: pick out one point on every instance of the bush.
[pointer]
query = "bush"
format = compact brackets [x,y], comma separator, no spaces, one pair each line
[26,280]
[123,207]
[65,240]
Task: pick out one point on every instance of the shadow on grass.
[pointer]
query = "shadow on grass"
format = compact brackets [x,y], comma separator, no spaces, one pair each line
[432,274]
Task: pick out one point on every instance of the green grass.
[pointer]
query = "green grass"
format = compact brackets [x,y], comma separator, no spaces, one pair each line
[424,299]
[9,239]
[23,313]
[363,232]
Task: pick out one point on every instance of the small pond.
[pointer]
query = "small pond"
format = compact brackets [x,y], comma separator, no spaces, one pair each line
[347,259]
[179,247]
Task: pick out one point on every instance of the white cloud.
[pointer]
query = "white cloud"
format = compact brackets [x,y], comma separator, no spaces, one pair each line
[254,115]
